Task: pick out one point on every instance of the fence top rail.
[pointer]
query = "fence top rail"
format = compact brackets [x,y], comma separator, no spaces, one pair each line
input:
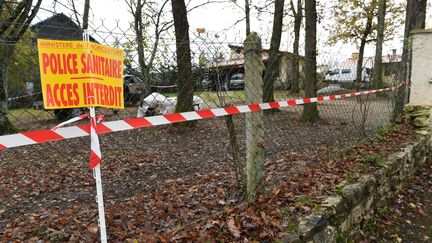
[48,135]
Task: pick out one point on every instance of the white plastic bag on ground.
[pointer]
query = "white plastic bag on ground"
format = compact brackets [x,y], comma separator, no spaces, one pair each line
[158,104]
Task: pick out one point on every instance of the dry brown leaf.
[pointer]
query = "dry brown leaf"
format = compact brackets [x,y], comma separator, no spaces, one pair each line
[63,221]
[233,228]
[94,229]
[422,212]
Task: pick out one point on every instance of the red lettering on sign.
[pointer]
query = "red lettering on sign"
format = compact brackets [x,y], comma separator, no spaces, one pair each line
[61,95]
[49,96]
[75,93]
[60,63]
[45,62]
[111,96]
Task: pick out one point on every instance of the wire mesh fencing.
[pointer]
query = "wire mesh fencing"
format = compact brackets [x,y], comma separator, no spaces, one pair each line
[200,167]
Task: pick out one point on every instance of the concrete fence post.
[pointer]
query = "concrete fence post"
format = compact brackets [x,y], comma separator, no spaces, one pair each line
[255,144]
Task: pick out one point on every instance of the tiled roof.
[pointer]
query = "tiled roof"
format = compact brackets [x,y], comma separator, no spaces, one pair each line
[368,62]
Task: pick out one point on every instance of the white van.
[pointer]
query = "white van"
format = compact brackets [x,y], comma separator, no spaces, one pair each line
[347,75]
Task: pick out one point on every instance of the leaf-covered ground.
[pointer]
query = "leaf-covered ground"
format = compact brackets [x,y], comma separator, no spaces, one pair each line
[170,185]
[409,217]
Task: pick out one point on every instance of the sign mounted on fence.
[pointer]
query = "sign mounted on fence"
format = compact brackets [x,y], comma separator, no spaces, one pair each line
[80,74]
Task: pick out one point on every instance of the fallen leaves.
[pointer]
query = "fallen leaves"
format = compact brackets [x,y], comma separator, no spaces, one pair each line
[233,228]
[152,196]
[408,217]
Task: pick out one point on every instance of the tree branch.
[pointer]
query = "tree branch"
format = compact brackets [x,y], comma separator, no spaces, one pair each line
[15,14]
[75,13]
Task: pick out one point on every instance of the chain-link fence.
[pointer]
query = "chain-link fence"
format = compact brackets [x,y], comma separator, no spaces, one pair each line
[201,167]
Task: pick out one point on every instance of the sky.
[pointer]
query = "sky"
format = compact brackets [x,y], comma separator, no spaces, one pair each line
[215,18]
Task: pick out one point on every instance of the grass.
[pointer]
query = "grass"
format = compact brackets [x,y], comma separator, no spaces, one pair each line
[28,113]
[374,159]
[234,96]
[304,199]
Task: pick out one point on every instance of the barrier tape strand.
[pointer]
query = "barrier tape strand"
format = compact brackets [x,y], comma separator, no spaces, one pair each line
[62,133]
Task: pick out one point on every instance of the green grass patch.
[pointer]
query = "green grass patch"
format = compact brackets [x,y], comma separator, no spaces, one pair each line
[232,96]
[28,113]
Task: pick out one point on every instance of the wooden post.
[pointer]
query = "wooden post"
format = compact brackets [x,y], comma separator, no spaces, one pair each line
[255,145]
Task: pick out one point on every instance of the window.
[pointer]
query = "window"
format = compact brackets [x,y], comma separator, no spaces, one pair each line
[334,71]
[237,76]
[345,71]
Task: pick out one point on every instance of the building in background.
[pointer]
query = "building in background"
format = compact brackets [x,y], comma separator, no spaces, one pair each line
[58,27]
[221,71]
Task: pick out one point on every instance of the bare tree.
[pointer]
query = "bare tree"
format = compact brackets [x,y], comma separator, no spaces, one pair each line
[272,68]
[376,79]
[75,12]
[247,14]
[15,18]
[143,9]
[298,16]
[415,19]
[184,66]
[310,111]
[86,14]
[356,24]
[77,15]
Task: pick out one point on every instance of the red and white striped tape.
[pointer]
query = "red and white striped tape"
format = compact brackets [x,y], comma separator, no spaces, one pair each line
[95,152]
[42,136]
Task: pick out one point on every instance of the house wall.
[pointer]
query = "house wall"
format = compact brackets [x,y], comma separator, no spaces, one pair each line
[390,72]
[236,53]
[421,74]
[284,71]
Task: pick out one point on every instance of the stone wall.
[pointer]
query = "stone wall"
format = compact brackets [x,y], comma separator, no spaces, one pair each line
[418,115]
[340,216]
[344,213]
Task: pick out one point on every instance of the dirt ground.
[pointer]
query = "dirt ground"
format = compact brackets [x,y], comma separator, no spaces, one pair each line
[47,190]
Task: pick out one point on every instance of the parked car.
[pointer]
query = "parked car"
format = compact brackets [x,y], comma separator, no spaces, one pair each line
[347,75]
[132,88]
[208,85]
[236,82]
[66,114]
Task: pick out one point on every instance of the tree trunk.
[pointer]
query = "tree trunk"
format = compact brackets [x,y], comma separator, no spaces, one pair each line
[184,67]
[247,13]
[310,111]
[235,147]
[239,166]
[86,14]
[377,81]
[298,15]
[415,19]
[272,68]
[138,27]
[359,68]
[255,146]
[6,126]
[10,34]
